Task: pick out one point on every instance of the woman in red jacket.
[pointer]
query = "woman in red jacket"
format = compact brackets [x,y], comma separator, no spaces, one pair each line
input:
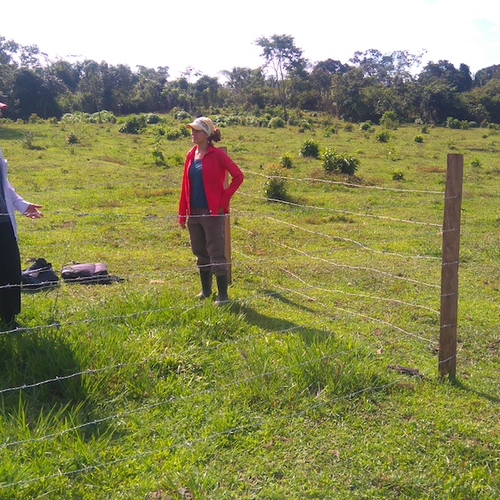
[204,203]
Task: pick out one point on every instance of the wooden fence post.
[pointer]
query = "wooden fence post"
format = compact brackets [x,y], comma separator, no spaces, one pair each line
[449,267]
[227,232]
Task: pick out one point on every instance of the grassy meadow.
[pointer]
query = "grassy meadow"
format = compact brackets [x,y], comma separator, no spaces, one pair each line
[137,390]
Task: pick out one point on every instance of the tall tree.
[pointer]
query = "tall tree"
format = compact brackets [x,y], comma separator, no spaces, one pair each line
[387,69]
[483,76]
[245,87]
[445,72]
[149,88]
[281,54]
[321,81]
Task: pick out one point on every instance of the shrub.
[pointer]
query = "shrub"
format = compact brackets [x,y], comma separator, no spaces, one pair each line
[389,120]
[286,161]
[152,119]
[103,116]
[452,123]
[276,122]
[157,155]
[81,117]
[419,139]
[392,154]
[174,133]
[329,130]
[475,162]
[275,187]
[34,118]
[309,149]
[180,114]
[398,175]
[366,126]
[382,136]
[304,125]
[71,138]
[343,163]
[133,125]
[28,141]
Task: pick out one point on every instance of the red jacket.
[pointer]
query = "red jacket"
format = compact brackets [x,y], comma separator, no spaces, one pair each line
[214,165]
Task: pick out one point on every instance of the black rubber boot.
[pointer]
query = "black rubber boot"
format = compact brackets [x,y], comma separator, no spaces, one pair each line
[222,297]
[206,284]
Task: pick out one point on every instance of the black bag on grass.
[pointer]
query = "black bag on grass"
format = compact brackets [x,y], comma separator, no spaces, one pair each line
[39,276]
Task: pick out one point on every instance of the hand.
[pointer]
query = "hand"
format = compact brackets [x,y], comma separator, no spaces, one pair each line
[182,224]
[32,211]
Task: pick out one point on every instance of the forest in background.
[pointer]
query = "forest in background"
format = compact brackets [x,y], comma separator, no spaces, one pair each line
[365,88]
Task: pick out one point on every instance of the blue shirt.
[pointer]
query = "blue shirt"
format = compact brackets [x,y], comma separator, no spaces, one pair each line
[198,199]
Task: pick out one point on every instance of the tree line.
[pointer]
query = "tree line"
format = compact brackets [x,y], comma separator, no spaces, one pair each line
[365,88]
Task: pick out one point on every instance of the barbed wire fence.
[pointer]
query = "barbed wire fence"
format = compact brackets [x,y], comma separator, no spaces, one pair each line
[297,261]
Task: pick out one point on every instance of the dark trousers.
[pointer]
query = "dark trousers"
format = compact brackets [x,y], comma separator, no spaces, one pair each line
[206,234]
[10,273]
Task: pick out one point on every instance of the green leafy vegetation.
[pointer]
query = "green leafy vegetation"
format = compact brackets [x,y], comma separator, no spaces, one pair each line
[340,163]
[385,89]
[310,149]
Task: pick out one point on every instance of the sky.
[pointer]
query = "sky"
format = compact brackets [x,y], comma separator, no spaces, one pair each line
[215,36]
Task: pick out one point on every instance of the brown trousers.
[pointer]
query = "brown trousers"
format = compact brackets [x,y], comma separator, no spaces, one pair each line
[206,234]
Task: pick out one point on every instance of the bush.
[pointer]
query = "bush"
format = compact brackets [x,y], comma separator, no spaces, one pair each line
[276,122]
[28,140]
[133,125]
[475,162]
[34,118]
[389,120]
[329,130]
[81,117]
[180,114]
[174,133]
[343,163]
[152,119]
[275,187]
[398,175]
[157,155]
[71,138]
[309,149]
[419,139]
[366,126]
[452,123]
[286,161]
[382,136]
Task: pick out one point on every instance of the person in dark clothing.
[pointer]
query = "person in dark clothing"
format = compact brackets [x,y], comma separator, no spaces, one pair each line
[10,260]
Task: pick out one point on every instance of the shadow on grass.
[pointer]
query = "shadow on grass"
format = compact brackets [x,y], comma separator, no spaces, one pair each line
[277,324]
[489,397]
[8,134]
[34,366]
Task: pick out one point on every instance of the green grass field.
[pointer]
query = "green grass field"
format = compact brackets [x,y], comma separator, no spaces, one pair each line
[136,390]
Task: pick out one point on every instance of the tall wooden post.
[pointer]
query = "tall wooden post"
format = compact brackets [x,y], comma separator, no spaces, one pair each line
[449,269]
[227,232]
